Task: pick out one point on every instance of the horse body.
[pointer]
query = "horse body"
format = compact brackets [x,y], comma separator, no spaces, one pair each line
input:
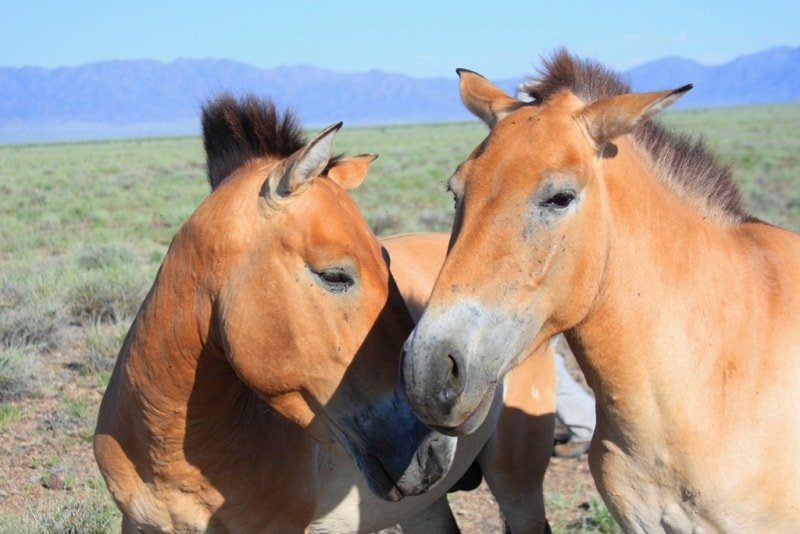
[693,421]
[274,296]
[680,308]
[257,387]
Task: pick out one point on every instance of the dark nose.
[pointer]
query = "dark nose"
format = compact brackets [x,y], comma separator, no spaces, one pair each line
[433,384]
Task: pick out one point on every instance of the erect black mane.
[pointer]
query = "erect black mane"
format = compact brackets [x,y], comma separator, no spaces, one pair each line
[236,131]
[682,163]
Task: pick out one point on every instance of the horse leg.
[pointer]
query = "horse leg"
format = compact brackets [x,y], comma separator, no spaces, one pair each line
[517,454]
[434,519]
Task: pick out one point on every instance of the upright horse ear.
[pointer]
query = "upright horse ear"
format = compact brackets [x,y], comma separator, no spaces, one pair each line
[350,172]
[613,117]
[307,163]
[484,99]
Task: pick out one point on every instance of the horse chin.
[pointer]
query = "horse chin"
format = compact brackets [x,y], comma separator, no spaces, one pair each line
[429,464]
[474,418]
[378,479]
[397,454]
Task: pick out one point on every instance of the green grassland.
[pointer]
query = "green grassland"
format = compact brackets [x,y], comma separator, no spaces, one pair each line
[85,226]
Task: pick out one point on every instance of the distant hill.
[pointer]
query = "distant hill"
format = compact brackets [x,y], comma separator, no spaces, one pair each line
[765,77]
[148,97]
[132,98]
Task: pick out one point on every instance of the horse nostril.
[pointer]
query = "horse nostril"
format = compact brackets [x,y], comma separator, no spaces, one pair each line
[453,381]
[453,367]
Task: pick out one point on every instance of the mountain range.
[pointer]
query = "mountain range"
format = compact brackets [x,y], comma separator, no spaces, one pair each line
[141,98]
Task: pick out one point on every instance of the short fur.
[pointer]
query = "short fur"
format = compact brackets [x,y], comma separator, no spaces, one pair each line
[683,163]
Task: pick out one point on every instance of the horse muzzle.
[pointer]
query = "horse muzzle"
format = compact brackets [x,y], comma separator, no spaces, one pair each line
[397,454]
[435,384]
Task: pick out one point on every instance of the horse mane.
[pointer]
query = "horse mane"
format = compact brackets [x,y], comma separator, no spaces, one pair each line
[236,131]
[683,163]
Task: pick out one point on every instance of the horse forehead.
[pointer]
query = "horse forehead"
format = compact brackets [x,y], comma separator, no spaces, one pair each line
[536,130]
[520,153]
[333,207]
[335,219]
[338,196]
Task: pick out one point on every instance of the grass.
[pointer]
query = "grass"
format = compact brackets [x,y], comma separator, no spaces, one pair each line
[572,512]
[89,224]
[103,341]
[8,414]
[77,407]
[29,315]
[405,188]
[18,371]
[73,418]
[83,509]
[600,519]
[762,146]
[109,294]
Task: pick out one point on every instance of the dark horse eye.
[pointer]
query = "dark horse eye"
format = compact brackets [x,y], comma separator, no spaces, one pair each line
[560,200]
[336,280]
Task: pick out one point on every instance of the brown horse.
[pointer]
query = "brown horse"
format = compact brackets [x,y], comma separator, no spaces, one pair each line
[257,387]
[579,214]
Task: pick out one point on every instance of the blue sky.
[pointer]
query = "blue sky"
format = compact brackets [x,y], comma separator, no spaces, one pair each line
[416,37]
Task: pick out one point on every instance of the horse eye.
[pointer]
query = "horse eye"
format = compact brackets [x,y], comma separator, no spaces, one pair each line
[560,200]
[336,280]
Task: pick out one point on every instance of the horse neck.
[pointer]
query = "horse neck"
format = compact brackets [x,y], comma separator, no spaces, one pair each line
[184,419]
[173,371]
[660,333]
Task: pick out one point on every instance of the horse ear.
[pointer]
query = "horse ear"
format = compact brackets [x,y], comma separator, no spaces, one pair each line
[484,99]
[308,162]
[613,117]
[350,172]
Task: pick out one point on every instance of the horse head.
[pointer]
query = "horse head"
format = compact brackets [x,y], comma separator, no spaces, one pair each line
[528,247]
[305,309]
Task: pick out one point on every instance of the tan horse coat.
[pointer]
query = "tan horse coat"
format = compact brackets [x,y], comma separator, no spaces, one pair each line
[682,310]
